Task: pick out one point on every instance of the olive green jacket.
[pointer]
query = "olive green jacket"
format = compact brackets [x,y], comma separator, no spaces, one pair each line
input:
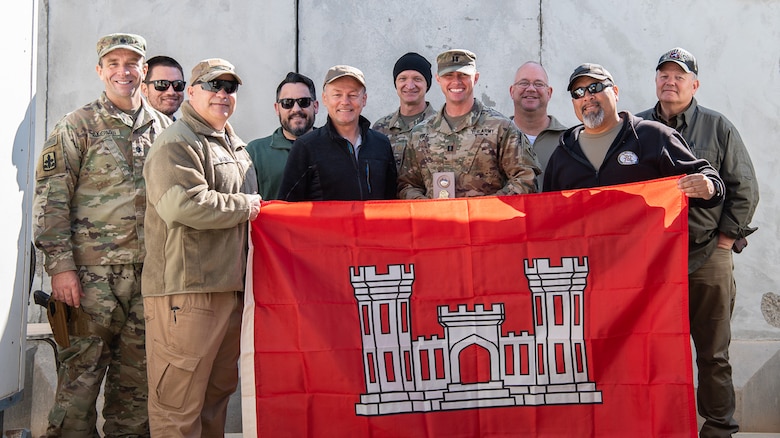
[713,137]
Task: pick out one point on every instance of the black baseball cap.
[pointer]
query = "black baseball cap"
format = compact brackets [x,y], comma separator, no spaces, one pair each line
[681,57]
[595,71]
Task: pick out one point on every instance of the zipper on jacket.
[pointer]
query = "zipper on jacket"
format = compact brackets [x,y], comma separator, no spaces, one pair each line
[356,164]
[368,178]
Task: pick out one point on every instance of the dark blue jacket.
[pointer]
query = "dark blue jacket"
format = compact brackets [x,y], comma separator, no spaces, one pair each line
[642,150]
[322,167]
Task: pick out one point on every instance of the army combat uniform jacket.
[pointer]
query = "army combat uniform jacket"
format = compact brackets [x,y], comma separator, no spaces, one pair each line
[90,194]
[393,126]
[487,154]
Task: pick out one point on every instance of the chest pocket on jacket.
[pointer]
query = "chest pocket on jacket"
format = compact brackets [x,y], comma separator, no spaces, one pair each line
[226,171]
[105,164]
[712,156]
[485,161]
[453,153]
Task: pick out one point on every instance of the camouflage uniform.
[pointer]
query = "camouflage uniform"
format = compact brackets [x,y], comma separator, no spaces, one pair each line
[90,199]
[487,153]
[393,126]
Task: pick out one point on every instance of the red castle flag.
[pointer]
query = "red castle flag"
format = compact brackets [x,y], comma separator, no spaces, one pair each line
[552,315]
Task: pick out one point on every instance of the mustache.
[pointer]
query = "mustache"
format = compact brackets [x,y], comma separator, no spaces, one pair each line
[297,113]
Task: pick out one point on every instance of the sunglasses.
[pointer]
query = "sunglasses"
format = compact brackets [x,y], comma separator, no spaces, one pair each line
[303,102]
[215,85]
[162,85]
[598,87]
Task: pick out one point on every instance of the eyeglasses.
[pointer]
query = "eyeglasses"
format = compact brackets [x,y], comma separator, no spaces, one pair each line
[215,85]
[539,85]
[597,87]
[303,102]
[162,85]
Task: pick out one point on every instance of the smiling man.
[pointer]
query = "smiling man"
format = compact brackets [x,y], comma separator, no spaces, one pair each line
[612,147]
[345,159]
[530,93]
[90,197]
[714,233]
[412,78]
[467,149]
[296,106]
[164,84]
[201,197]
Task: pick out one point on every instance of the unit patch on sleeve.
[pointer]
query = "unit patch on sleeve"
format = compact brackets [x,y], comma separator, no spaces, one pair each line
[52,161]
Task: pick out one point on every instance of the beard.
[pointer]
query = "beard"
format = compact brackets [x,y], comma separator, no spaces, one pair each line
[593,120]
[297,130]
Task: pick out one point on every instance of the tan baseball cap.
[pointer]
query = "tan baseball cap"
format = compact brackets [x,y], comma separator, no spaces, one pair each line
[339,71]
[461,60]
[212,68]
[129,41]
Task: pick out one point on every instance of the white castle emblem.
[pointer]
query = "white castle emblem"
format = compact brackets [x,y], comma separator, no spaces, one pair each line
[548,367]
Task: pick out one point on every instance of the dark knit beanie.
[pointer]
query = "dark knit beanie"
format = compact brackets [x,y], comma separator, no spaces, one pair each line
[416,62]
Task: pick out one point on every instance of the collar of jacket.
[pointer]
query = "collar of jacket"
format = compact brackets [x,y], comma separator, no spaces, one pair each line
[476,112]
[627,119]
[279,141]
[201,127]
[363,124]
[682,119]
[143,116]
[396,120]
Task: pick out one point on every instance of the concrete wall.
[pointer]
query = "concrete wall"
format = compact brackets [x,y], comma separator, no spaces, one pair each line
[737,43]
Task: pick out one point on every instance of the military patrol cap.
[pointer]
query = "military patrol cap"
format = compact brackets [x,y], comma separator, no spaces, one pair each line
[129,41]
[594,71]
[339,71]
[212,68]
[681,57]
[460,60]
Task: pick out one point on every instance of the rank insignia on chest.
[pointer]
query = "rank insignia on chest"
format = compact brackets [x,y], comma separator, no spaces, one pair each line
[49,161]
[450,148]
[138,150]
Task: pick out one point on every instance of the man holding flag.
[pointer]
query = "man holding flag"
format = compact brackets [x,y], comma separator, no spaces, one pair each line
[612,147]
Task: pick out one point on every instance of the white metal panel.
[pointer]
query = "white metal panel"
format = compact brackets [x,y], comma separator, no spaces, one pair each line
[18,31]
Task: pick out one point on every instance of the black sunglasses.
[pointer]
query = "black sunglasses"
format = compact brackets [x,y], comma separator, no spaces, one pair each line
[597,87]
[162,85]
[215,85]
[303,102]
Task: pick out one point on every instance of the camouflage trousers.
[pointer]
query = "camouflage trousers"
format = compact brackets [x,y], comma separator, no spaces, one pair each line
[113,348]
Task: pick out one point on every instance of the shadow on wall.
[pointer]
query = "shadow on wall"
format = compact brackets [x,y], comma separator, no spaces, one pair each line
[23,159]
